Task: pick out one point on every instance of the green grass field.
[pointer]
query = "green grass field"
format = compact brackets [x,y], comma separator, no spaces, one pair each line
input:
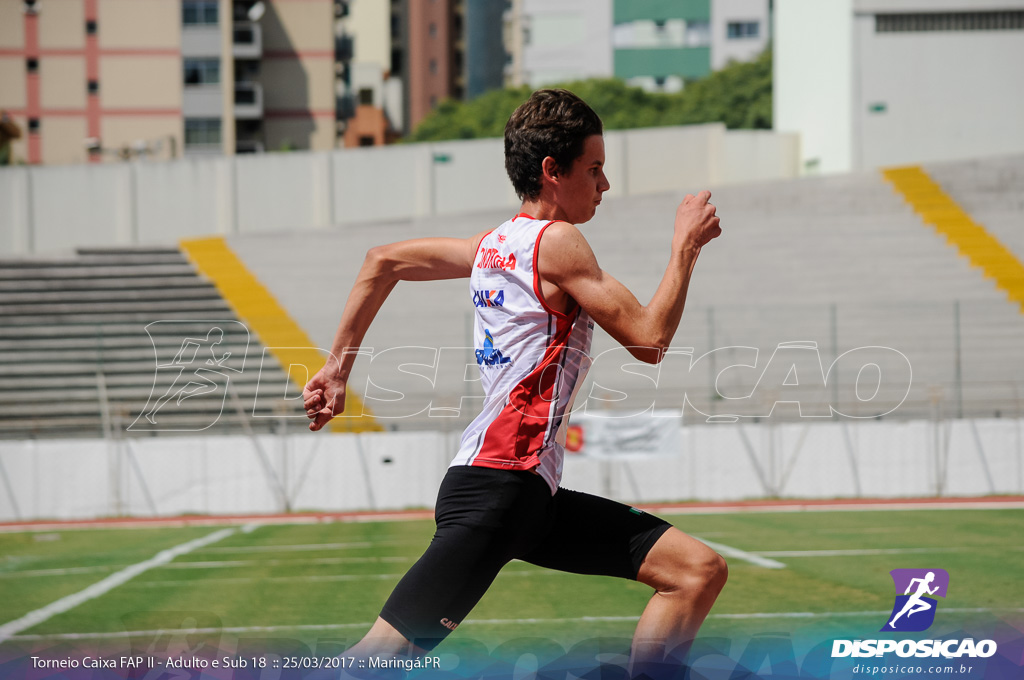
[322,584]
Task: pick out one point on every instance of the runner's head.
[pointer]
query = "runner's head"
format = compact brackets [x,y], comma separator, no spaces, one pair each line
[553,123]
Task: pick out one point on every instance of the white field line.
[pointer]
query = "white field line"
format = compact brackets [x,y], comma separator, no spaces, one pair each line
[265,579]
[483,622]
[833,507]
[753,558]
[865,551]
[318,560]
[109,583]
[533,573]
[382,560]
[309,546]
[67,571]
[179,522]
[205,565]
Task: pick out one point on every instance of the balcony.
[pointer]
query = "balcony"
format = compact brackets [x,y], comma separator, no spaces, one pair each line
[344,107]
[202,101]
[248,146]
[248,40]
[344,48]
[248,101]
[200,41]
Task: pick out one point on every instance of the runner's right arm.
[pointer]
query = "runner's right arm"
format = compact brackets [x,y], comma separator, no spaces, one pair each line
[424,259]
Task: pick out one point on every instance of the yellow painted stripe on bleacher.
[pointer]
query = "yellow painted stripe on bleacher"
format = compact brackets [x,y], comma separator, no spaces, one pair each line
[256,307]
[941,212]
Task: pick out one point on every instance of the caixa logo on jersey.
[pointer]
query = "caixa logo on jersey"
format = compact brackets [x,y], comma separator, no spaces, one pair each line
[914,611]
[489,298]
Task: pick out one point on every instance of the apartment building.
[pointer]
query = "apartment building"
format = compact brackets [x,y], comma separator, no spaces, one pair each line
[85,83]
[258,75]
[96,80]
[550,41]
[368,73]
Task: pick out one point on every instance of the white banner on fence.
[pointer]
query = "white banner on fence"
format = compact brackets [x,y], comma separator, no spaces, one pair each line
[607,435]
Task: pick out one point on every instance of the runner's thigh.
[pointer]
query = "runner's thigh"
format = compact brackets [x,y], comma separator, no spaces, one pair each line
[594,535]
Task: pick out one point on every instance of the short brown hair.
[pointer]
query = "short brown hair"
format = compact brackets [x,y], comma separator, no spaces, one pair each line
[552,123]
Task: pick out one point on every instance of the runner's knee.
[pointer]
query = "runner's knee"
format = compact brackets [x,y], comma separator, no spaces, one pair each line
[707,570]
[685,567]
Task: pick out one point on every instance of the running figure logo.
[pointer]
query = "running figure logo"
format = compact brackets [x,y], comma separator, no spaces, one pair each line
[199,368]
[914,610]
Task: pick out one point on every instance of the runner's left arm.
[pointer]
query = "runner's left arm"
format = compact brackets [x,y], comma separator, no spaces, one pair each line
[425,259]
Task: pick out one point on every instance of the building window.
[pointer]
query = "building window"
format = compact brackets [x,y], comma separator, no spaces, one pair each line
[366,96]
[202,71]
[199,12]
[433,66]
[396,61]
[33,125]
[94,87]
[433,30]
[90,27]
[244,35]
[697,34]
[949,21]
[738,30]
[366,140]
[202,131]
[32,65]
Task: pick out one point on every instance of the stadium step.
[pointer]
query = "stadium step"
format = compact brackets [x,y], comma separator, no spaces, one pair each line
[254,303]
[974,242]
[64,320]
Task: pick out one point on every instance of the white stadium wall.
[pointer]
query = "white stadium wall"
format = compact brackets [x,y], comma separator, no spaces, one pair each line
[50,209]
[178,200]
[169,476]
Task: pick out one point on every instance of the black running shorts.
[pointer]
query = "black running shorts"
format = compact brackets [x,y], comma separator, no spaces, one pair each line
[486,518]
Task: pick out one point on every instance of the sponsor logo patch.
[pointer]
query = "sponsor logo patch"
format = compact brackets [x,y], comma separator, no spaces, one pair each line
[489,298]
[491,355]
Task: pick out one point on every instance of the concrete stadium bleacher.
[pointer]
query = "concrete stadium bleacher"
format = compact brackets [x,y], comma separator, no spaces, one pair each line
[992,191]
[840,261]
[76,358]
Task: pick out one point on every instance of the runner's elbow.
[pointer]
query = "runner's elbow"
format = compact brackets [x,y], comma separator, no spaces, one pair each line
[378,262]
[649,353]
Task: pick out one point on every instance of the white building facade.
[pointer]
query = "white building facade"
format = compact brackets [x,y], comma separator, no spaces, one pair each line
[654,44]
[875,83]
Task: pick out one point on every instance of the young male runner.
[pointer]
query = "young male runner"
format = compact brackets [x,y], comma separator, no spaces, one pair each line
[538,290]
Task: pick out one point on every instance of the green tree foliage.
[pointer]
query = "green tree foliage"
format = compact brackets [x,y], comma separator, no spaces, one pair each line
[740,95]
